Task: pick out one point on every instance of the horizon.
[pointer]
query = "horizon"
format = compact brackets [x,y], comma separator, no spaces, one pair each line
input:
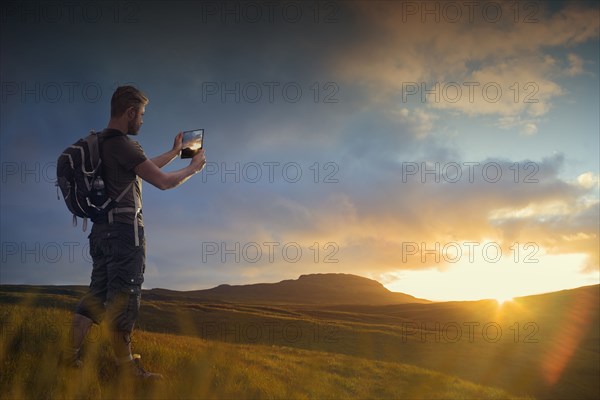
[449,158]
[500,301]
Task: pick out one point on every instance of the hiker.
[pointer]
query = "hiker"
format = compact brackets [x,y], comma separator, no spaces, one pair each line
[117,243]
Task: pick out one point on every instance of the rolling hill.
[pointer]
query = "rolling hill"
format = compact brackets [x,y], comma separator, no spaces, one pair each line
[200,369]
[545,346]
[307,289]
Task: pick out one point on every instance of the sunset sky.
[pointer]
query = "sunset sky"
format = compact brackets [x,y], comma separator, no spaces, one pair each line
[447,151]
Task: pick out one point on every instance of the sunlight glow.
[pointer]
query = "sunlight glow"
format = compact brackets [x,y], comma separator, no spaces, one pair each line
[573,321]
[502,280]
[503,299]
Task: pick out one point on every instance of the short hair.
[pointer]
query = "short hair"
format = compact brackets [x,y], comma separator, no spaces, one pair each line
[125,97]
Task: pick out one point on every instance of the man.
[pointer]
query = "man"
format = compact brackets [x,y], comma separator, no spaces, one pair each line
[117,244]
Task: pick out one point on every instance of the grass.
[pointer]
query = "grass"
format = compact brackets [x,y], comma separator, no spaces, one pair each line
[549,347]
[195,368]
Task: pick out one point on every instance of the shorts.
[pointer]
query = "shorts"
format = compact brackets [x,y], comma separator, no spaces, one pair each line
[117,275]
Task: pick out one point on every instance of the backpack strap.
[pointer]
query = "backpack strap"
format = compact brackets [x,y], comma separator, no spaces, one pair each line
[94,146]
[122,210]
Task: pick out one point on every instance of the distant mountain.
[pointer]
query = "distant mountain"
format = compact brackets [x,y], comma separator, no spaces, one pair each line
[307,289]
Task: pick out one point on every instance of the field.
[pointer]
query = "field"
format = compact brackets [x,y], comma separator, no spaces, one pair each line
[544,346]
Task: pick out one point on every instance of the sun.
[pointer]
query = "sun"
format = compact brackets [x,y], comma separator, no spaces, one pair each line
[503,299]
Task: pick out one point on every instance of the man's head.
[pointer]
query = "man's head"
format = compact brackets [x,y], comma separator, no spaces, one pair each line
[128,104]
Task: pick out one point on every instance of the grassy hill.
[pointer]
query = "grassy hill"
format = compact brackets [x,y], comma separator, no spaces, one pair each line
[200,369]
[545,346]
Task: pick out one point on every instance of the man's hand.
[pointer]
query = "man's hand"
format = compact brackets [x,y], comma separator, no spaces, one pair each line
[178,143]
[152,174]
[198,161]
[164,159]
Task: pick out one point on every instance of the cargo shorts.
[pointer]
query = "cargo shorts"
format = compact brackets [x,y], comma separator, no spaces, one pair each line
[117,276]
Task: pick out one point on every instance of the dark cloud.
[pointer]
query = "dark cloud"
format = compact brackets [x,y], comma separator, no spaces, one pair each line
[348,133]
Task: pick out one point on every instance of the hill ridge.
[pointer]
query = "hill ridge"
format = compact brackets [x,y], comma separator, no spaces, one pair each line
[318,288]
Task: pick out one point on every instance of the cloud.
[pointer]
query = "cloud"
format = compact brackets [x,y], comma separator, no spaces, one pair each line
[575,65]
[512,87]
[370,227]
[513,57]
[529,129]
[588,180]
[526,126]
[421,122]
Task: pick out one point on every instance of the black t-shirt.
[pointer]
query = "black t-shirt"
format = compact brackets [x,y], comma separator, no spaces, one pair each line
[120,155]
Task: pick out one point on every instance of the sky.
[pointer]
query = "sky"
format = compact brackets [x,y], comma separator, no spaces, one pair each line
[448,150]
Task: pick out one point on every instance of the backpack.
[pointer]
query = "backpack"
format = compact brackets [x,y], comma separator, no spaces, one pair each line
[79,177]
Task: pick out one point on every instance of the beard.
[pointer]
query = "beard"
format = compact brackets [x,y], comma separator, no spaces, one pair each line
[133,128]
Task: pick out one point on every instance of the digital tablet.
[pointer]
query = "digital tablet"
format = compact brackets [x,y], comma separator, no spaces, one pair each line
[192,142]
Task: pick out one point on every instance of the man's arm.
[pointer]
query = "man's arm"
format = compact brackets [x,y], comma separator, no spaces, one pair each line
[165,158]
[151,173]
